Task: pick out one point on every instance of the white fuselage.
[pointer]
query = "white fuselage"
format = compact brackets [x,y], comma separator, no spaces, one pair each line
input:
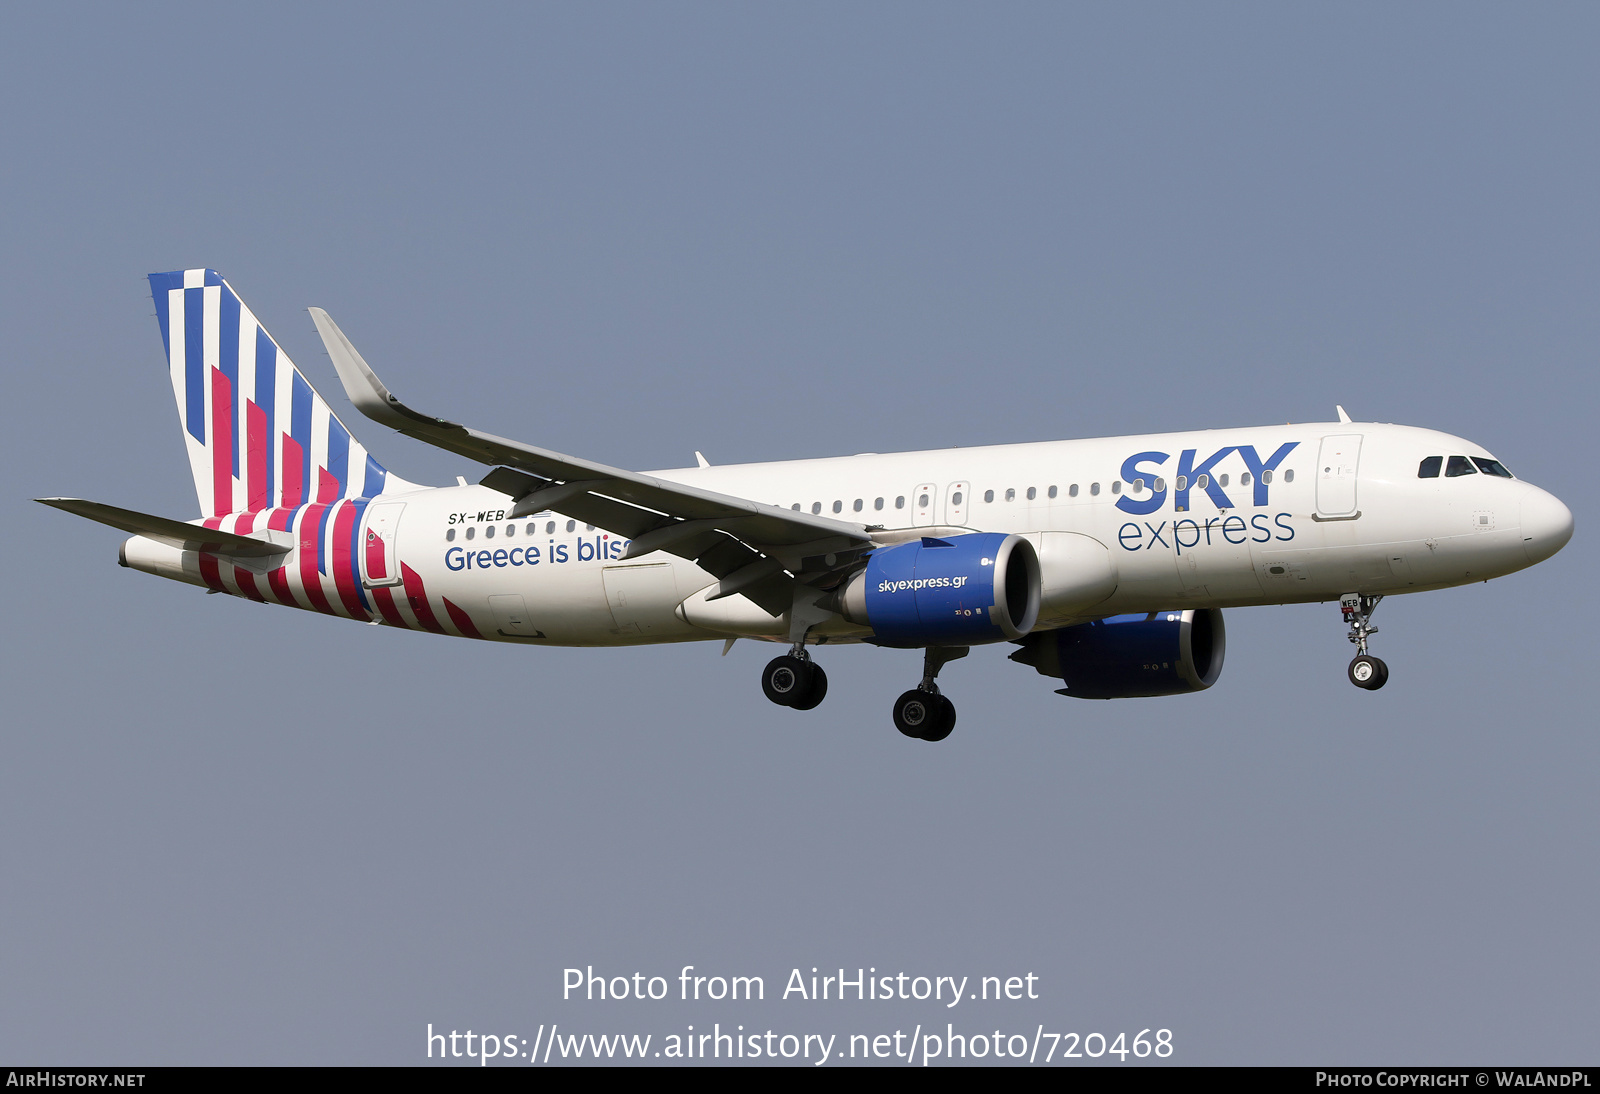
[1212,518]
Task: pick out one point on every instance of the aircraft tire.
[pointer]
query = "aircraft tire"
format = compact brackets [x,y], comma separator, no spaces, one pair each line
[1368,672]
[817,691]
[945,723]
[787,679]
[918,713]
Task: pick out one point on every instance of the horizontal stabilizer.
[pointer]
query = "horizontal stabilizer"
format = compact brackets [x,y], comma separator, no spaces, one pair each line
[174,533]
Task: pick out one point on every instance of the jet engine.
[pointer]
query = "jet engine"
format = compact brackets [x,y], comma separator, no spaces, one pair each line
[1129,656]
[956,591]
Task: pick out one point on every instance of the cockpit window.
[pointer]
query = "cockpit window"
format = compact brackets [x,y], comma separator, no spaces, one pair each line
[1458,466]
[1429,468]
[1492,467]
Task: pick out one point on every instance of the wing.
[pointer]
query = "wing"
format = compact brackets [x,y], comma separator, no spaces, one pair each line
[761,551]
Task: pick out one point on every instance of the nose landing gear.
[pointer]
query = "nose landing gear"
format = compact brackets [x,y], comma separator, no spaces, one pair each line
[923,713]
[1365,671]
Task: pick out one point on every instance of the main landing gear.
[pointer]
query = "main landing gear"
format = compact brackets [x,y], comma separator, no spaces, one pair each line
[1366,671]
[794,680]
[923,713]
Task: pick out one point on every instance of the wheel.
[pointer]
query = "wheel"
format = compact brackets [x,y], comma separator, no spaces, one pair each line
[945,723]
[913,712]
[1368,672]
[786,679]
[924,716]
[817,691]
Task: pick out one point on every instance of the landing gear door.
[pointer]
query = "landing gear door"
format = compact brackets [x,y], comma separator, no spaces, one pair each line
[380,565]
[923,502]
[1337,463]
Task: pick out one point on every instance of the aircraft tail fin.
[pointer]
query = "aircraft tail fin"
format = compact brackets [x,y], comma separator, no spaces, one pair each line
[258,434]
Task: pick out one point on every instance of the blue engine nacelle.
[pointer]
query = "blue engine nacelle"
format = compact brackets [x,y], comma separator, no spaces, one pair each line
[1127,656]
[960,591]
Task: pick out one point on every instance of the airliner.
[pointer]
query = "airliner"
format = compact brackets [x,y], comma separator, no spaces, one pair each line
[1104,564]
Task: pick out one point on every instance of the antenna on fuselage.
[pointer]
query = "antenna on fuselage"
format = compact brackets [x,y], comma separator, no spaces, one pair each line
[1343,417]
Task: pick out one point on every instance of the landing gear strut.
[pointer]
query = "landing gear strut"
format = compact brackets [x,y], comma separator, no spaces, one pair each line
[923,713]
[1366,671]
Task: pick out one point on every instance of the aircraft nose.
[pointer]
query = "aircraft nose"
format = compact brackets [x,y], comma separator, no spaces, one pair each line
[1546,524]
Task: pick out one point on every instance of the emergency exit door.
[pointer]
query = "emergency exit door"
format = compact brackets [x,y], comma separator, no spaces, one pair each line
[379,565]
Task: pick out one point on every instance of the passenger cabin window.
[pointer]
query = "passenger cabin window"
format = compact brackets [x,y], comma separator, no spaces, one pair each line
[1492,467]
[1222,479]
[1094,488]
[488,533]
[1244,479]
[1072,491]
[1011,494]
[550,528]
[511,529]
[1429,468]
[877,503]
[838,507]
[1116,487]
[1458,466]
[572,526]
[1288,476]
[1266,476]
[816,507]
[857,505]
[900,502]
[1033,492]
[955,499]
[1051,492]
[988,495]
[922,501]
[450,535]
[469,532]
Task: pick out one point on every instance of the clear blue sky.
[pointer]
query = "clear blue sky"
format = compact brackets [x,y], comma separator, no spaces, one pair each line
[231,833]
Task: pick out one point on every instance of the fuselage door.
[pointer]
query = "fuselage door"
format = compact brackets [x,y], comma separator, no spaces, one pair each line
[1337,464]
[379,564]
[923,503]
[957,496]
[642,597]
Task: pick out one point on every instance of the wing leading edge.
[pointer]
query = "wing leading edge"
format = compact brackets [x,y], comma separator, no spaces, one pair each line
[765,553]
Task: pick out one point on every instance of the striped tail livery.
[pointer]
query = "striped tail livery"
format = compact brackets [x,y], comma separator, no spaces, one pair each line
[259,436]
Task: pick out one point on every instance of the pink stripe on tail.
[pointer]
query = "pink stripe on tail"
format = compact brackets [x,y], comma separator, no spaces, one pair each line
[255,442]
[294,465]
[221,443]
